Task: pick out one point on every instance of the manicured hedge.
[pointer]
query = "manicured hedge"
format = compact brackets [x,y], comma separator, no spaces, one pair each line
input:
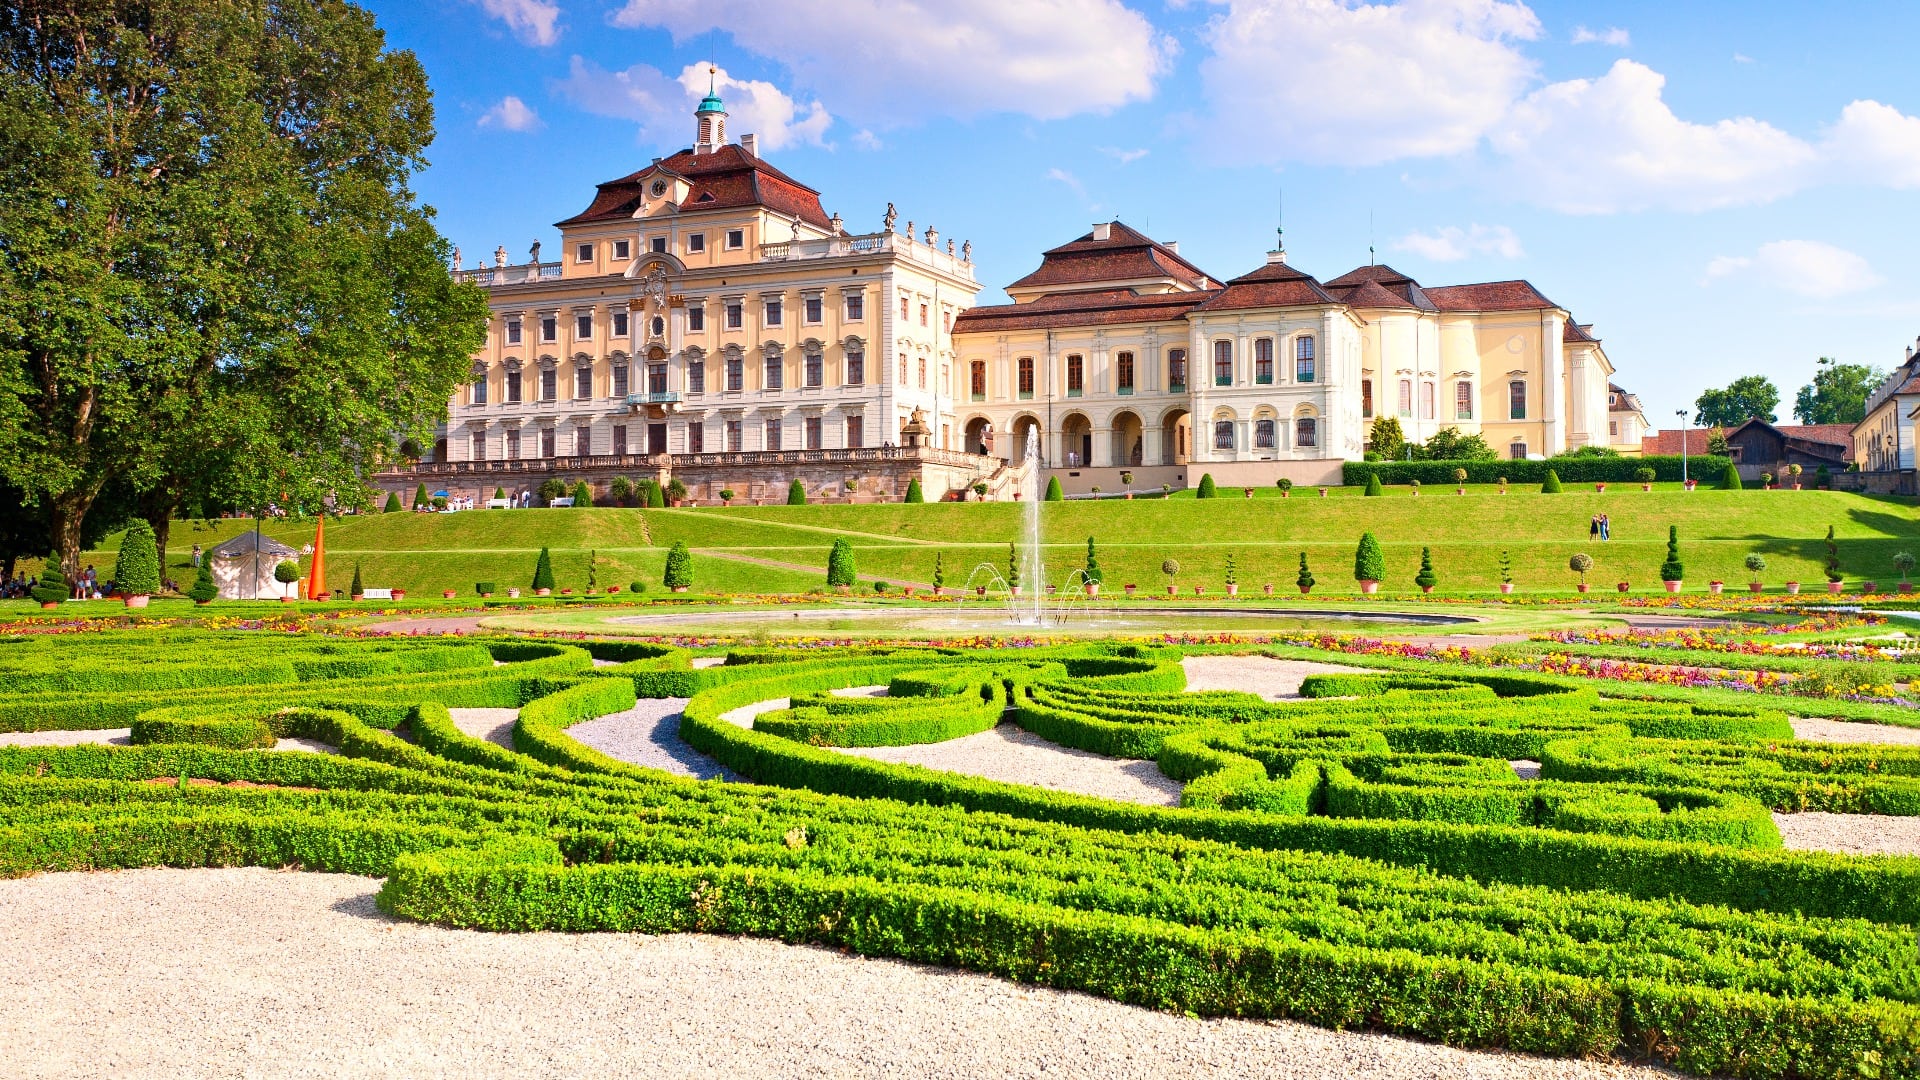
[1571,470]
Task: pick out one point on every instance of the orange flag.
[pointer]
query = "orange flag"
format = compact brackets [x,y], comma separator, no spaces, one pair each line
[317,578]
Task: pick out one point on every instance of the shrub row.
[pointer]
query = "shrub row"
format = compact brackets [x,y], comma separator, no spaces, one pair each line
[1572,470]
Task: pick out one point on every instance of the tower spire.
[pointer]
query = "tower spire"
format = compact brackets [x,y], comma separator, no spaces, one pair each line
[1279,252]
[710,119]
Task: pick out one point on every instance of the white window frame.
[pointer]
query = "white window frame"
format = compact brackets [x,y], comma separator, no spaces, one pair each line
[583,253]
[623,249]
[736,239]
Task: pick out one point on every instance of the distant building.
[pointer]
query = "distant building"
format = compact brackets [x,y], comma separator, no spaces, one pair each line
[1883,442]
[1626,419]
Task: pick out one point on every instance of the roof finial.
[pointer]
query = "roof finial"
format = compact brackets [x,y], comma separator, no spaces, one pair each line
[1279,252]
[1369,236]
[711,72]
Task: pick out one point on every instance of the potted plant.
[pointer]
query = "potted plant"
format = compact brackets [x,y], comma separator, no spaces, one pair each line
[1126,481]
[1715,586]
[1426,578]
[939,575]
[1199,590]
[1793,588]
[204,590]
[513,592]
[1129,587]
[1580,564]
[1755,563]
[1645,476]
[726,497]
[1286,487]
[1671,571]
[1903,562]
[1794,471]
[1766,480]
[1503,485]
[1869,588]
[356,592]
[1268,588]
[1171,568]
[1369,564]
[679,571]
[1305,580]
[1506,572]
[980,490]
[1835,582]
[1094,490]
[51,589]
[484,588]
[286,573]
[1690,483]
[446,594]
[841,572]
[1247,492]
[676,491]
[543,574]
[1600,485]
[1323,492]
[1013,570]
[1623,586]
[1459,481]
[136,573]
[1233,579]
[1415,485]
[1090,576]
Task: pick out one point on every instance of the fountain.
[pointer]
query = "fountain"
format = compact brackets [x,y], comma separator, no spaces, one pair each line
[1038,607]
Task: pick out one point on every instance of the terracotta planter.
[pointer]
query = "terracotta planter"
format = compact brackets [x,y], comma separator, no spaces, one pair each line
[680,588]
[399,594]
[1199,590]
[488,596]
[1172,590]
[1599,487]
[1416,493]
[1233,590]
[907,590]
[1623,586]
[1796,487]
[1582,586]
[1835,588]
[1285,494]
[543,592]
[979,590]
[1646,487]
[1093,588]
[1754,586]
[1459,491]
[1714,587]
[1323,493]
[1506,587]
[1906,586]
[138,601]
[357,597]
[1672,586]
[512,594]
[1503,491]
[1793,588]
[1268,588]
[1369,587]
[1305,590]
[1869,588]
[286,599]
[1129,589]
[1013,589]
[201,603]
[1249,492]
[1426,589]
[1129,496]
[446,594]
[44,606]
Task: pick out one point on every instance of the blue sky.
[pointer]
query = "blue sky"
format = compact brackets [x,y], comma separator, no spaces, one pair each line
[1722,189]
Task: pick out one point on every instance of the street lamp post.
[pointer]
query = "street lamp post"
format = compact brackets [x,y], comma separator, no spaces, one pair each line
[1682,414]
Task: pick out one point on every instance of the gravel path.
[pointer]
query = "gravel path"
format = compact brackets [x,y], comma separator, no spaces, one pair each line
[649,735]
[231,973]
[118,736]
[744,714]
[311,746]
[1264,675]
[1850,834]
[1017,756]
[861,691]
[493,725]
[1814,729]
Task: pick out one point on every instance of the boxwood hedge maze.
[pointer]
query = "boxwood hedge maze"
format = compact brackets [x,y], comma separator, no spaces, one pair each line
[1363,856]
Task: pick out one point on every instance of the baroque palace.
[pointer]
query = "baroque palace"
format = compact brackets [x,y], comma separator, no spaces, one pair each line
[708,321]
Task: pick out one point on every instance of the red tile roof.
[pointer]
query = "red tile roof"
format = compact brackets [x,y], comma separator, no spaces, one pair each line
[1668,442]
[1273,285]
[1098,307]
[727,179]
[1404,291]
[1577,332]
[1490,296]
[1125,255]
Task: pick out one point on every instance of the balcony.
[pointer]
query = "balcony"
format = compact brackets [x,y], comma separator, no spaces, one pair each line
[654,397]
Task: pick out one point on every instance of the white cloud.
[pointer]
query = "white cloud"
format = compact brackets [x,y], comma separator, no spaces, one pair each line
[1612,143]
[1804,267]
[1452,243]
[1742,58]
[1876,143]
[511,114]
[1124,157]
[663,105]
[1612,35]
[1072,182]
[535,22]
[866,140]
[898,61]
[1330,82]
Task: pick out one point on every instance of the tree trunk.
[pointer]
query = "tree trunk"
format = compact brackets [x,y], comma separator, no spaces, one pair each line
[158,507]
[68,511]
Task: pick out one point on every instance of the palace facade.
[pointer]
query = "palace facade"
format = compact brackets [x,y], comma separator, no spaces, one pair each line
[708,320]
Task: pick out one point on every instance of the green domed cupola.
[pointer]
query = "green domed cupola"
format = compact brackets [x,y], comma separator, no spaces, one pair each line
[710,120]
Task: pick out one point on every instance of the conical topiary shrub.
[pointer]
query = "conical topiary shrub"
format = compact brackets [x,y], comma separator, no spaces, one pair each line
[356,590]
[393,503]
[656,499]
[1730,480]
[1369,563]
[1672,570]
[914,494]
[1305,579]
[205,590]
[420,498]
[1206,487]
[137,571]
[51,588]
[841,573]
[1373,485]
[1552,486]
[1092,571]
[796,494]
[543,573]
[679,575]
[582,494]
[1054,494]
[1426,578]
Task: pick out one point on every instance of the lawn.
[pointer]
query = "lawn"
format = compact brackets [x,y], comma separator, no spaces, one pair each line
[426,553]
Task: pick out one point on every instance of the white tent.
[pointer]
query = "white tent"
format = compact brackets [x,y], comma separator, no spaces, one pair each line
[244,571]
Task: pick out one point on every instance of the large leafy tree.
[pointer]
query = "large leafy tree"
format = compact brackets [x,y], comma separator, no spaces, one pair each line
[1742,400]
[214,278]
[1837,394]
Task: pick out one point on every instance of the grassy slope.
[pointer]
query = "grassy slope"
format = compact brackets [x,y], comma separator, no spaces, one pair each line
[1467,533]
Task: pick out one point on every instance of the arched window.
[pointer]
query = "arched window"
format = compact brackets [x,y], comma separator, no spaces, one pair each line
[1223,363]
[1306,432]
[1223,435]
[1303,359]
[1463,400]
[1263,360]
[1263,434]
[1517,400]
[977,380]
[1123,372]
[1176,370]
[1026,376]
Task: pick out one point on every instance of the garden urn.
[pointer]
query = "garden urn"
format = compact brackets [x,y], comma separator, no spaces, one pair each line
[1835,588]
[1793,588]
[1714,587]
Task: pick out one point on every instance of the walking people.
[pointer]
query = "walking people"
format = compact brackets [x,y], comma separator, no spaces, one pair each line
[1606,527]
[1593,527]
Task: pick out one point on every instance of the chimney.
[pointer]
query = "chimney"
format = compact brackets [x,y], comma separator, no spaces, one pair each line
[1171,245]
[1102,232]
[751,144]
